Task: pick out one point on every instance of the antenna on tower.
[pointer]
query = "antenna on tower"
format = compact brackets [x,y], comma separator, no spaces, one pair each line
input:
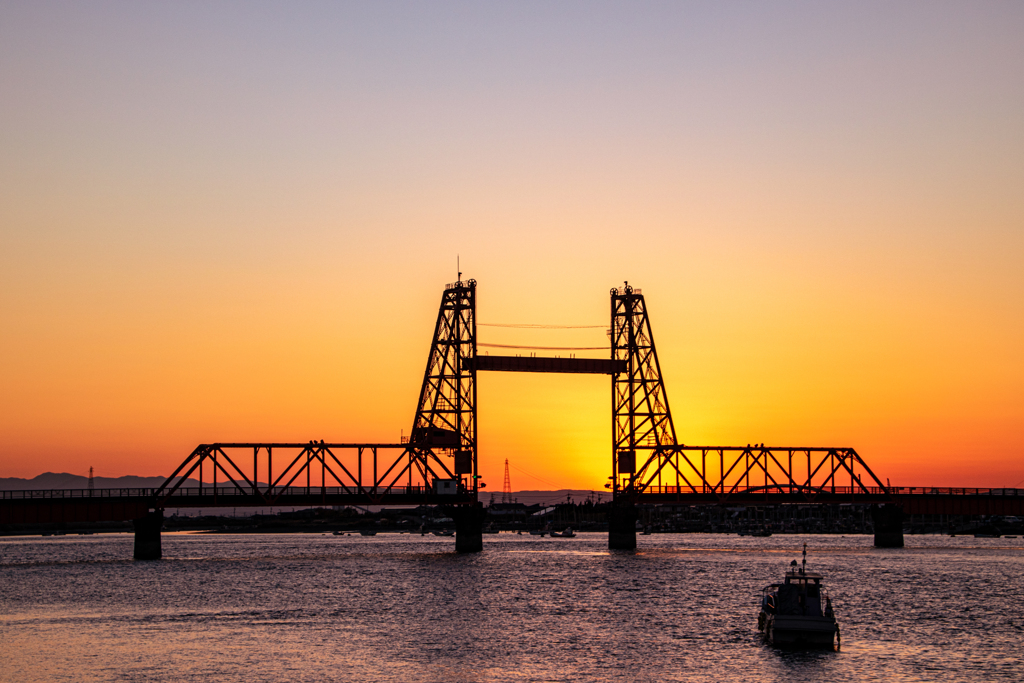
[458,267]
[506,490]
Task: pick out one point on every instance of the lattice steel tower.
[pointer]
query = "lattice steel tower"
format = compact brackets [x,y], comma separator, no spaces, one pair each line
[641,419]
[445,422]
[506,489]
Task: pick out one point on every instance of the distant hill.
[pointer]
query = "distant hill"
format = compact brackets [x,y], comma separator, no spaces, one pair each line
[63,480]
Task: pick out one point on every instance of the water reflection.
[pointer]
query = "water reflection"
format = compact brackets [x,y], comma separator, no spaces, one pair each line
[405,608]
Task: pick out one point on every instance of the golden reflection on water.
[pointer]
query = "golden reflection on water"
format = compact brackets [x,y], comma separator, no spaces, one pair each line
[406,608]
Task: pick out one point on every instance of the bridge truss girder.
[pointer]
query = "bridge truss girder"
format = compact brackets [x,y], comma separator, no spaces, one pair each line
[804,474]
[369,473]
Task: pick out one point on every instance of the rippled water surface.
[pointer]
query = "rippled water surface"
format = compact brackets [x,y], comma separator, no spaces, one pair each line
[406,608]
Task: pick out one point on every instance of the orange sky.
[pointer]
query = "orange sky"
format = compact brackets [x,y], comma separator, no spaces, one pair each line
[223,223]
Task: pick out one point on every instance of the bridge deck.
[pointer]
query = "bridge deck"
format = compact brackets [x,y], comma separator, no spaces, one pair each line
[590,366]
[85,505]
[917,500]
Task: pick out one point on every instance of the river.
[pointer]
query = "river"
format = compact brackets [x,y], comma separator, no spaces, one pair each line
[311,607]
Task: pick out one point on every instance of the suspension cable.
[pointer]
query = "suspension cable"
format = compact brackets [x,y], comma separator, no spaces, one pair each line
[532,326]
[546,348]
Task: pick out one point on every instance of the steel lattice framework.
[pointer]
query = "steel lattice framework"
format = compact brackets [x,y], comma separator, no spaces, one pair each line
[345,473]
[437,462]
[730,473]
[445,422]
[641,418]
[442,452]
[648,461]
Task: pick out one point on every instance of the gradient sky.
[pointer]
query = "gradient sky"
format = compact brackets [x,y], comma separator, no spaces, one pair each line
[233,221]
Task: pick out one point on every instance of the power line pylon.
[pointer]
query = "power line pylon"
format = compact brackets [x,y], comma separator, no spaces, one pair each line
[641,419]
[506,489]
[445,422]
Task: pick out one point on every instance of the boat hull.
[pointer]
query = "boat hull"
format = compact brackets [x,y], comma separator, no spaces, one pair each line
[800,631]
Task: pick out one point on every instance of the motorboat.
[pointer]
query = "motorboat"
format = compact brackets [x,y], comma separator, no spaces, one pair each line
[798,612]
[568,533]
[367,532]
[443,532]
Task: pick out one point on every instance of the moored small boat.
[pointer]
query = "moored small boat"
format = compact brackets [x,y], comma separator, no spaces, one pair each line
[568,533]
[798,613]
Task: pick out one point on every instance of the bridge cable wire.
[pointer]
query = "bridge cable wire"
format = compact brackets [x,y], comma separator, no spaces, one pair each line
[546,348]
[533,476]
[533,326]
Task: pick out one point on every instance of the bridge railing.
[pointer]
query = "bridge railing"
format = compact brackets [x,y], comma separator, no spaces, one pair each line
[218,492]
[77,493]
[833,490]
[231,491]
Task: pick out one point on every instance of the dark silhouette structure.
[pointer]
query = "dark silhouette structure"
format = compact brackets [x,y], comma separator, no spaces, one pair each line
[438,463]
[506,487]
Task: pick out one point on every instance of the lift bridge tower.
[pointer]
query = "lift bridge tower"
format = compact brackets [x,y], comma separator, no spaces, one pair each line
[445,422]
[445,425]
[641,418]
[650,464]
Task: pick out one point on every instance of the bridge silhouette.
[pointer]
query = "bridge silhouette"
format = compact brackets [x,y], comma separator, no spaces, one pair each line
[438,463]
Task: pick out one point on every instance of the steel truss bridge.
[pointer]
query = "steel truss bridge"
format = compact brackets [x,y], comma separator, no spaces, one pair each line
[438,462]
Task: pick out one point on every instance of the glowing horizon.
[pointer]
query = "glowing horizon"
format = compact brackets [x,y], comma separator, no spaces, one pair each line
[234,222]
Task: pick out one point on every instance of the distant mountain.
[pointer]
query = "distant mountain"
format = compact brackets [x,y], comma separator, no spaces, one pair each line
[63,480]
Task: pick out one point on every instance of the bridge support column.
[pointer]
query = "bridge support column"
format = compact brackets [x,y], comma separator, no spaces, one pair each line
[147,536]
[888,521]
[622,518]
[469,527]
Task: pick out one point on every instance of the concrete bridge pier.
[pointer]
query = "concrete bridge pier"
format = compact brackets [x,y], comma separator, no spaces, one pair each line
[147,536]
[469,527]
[888,520]
[622,518]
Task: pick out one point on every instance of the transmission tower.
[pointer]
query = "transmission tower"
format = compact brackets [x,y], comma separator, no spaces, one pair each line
[445,422]
[506,489]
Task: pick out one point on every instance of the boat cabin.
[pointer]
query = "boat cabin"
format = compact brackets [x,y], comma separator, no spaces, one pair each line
[800,595]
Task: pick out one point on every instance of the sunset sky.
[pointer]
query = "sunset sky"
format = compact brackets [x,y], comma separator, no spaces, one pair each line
[233,221]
